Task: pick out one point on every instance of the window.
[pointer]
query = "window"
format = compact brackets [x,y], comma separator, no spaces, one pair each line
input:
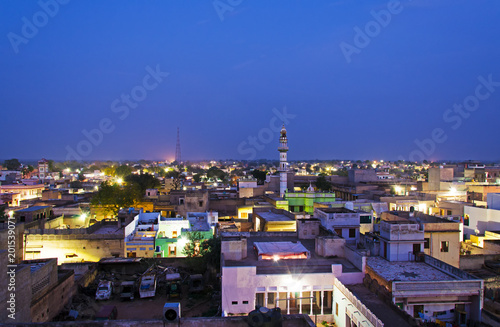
[301,208]
[466,220]
[338,231]
[444,246]
[200,203]
[174,234]
[337,309]
[365,219]
[448,212]
[245,302]
[352,232]
[142,249]
[234,302]
[181,201]
[244,215]
[426,243]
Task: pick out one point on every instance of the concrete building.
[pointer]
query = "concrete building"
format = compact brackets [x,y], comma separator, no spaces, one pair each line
[141,242]
[297,275]
[479,220]
[174,233]
[33,213]
[362,176]
[10,199]
[40,290]
[442,237]
[27,192]
[343,221]
[100,240]
[438,175]
[273,220]
[302,202]
[494,201]
[430,289]
[43,169]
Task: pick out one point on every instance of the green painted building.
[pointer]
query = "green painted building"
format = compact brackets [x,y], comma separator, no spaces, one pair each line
[301,201]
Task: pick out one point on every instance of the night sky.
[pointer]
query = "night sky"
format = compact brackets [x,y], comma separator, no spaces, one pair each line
[358,79]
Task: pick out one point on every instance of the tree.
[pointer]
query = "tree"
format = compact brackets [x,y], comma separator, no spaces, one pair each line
[12,164]
[207,250]
[3,216]
[113,197]
[216,173]
[26,171]
[197,178]
[140,183]
[192,248]
[110,171]
[210,251]
[176,178]
[322,184]
[260,176]
[123,171]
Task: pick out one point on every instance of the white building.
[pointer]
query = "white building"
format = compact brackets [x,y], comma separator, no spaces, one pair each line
[479,220]
[343,221]
[297,275]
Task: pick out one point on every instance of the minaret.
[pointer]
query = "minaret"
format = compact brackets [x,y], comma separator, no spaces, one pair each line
[178,149]
[283,149]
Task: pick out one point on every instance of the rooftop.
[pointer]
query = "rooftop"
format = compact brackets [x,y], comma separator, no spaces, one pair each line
[336,210]
[272,216]
[108,229]
[314,264]
[34,208]
[406,270]
[384,312]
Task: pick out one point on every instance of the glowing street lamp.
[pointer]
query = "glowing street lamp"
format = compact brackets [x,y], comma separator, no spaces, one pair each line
[119,181]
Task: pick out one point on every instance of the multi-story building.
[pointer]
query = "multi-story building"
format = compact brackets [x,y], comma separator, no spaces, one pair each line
[41,290]
[343,221]
[43,169]
[27,192]
[297,274]
[442,237]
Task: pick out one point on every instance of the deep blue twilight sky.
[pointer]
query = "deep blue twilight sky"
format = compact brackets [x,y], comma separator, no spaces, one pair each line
[231,62]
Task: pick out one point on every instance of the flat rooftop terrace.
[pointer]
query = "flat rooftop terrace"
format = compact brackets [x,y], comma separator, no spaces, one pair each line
[315,264]
[383,312]
[406,270]
[272,216]
[111,229]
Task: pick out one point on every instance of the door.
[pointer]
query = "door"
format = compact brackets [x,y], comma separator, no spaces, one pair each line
[416,249]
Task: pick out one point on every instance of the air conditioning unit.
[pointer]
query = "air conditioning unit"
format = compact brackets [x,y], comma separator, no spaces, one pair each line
[171,312]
